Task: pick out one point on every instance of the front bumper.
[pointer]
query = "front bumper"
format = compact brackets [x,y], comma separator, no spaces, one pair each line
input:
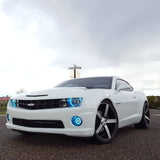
[63,114]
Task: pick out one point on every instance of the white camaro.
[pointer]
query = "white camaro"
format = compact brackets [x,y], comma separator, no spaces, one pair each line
[86,107]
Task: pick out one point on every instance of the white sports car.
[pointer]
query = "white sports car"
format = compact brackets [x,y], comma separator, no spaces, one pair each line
[86,107]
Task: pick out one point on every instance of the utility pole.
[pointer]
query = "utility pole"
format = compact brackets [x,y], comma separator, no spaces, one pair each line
[75,68]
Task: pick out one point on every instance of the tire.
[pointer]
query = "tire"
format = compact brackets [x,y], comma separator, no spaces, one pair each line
[145,121]
[106,124]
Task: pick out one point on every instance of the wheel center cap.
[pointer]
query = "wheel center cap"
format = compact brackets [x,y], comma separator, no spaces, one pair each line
[103,120]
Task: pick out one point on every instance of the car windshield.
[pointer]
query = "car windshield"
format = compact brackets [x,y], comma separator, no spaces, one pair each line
[91,83]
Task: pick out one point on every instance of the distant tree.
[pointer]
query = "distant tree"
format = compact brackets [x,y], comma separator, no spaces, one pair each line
[153,103]
[156,104]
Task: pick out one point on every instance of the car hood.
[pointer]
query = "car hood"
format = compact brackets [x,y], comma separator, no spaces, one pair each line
[54,93]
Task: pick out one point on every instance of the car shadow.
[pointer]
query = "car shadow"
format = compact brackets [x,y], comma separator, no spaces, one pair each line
[50,139]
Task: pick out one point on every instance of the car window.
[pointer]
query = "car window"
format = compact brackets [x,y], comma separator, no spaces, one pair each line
[120,82]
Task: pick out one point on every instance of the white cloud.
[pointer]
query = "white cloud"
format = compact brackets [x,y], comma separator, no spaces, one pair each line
[41,39]
[23,63]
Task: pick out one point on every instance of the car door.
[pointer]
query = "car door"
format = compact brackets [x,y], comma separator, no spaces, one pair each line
[126,102]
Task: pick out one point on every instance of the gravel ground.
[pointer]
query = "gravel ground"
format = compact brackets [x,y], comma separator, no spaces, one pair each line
[129,144]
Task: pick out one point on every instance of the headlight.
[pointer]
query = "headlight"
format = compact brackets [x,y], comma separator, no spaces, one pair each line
[13,102]
[74,102]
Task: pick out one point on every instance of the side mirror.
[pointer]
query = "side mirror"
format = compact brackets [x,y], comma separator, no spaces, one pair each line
[123,88]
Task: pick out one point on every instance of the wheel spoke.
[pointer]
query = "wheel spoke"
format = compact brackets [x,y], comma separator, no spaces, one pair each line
[146,111]
[147,118]
[99,128]
[106,110]
[111,121]
[107,130]
[99,115]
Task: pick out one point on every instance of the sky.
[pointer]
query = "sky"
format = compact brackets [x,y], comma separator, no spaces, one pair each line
[40,39]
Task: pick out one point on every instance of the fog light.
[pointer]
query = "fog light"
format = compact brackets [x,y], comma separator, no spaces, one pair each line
[77,121]
[8,117]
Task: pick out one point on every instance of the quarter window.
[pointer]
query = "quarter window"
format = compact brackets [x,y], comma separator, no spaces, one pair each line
[120,82]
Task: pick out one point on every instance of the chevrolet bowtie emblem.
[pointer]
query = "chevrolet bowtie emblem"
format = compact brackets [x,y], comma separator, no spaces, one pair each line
[30,104]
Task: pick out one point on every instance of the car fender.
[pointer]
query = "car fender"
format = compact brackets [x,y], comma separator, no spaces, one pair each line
[141,99]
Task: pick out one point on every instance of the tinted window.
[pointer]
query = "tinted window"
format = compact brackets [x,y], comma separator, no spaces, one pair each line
[120,82]
[97,82]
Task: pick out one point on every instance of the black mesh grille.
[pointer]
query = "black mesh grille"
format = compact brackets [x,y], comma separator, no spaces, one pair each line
[42,104]
[38,123]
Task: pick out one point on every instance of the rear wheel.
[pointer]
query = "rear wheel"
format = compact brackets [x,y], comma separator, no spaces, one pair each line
[106,124]
[145,121]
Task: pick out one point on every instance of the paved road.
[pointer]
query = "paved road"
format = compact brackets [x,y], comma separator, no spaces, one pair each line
[129,144]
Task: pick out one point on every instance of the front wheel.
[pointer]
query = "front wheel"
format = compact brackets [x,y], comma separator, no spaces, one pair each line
[106,124]
[145,121]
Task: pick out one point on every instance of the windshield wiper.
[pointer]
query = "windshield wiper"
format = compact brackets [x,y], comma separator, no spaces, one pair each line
[95,88]
[90,87]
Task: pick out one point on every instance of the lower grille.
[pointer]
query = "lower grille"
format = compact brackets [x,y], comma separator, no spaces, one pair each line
[38,123]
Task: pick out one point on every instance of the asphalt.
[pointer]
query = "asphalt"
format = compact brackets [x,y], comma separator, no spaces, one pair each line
[129,144]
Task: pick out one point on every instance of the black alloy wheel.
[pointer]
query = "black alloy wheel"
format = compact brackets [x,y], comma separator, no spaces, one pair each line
[106,124]
[145,121]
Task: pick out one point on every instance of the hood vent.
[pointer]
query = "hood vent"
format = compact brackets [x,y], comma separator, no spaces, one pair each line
[42,95]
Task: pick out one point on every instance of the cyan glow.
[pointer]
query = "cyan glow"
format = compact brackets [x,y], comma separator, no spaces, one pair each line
[74,102]
[13,102]
[8,117]
[77,121]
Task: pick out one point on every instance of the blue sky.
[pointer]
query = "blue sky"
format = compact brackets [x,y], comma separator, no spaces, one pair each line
[41,39]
